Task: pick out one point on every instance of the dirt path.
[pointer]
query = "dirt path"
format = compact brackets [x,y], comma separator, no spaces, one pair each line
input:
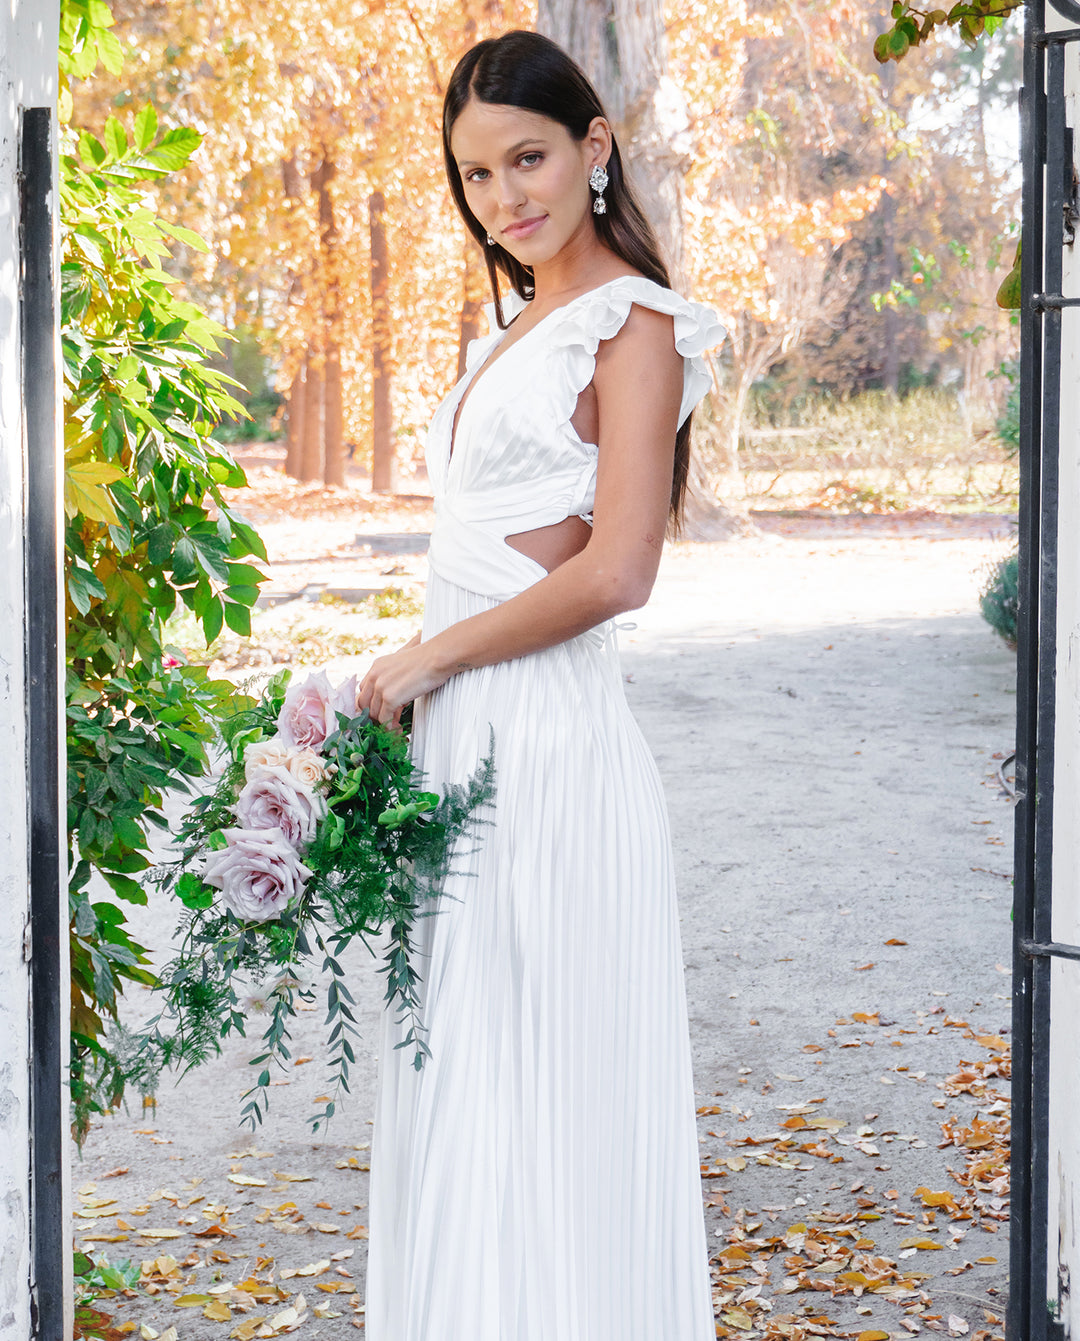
[828,712]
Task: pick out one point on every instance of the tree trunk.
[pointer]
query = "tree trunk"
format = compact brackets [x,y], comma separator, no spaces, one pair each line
[472,305]
[294,423]
[294,185]
[333,419]
[708,517]
[382,419]
[333,416]
[620,44]
[311,461]
[890,367]
[717,510]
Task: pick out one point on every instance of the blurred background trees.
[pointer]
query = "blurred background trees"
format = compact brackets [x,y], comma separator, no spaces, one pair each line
[851,221]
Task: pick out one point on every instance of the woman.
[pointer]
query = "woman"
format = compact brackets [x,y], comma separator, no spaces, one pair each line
[537,1179]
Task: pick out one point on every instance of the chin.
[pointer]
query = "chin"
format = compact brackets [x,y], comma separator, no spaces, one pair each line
[530,255]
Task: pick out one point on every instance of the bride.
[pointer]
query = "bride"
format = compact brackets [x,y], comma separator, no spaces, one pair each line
[537,1179]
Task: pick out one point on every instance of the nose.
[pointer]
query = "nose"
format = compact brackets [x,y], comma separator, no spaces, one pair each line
[508,191]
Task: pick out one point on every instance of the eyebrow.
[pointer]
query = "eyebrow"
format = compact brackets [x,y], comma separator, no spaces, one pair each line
[514,148]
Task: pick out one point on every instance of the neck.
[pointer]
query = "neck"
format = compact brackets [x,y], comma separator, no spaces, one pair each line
[582,264]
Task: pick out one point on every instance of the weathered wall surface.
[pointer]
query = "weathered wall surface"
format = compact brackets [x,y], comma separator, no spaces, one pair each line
[1064,1217]
[28,38]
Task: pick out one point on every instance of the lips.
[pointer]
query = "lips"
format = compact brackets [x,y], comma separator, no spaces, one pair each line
[525,227]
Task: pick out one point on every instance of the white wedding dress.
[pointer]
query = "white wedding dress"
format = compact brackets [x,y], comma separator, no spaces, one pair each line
[538,1178]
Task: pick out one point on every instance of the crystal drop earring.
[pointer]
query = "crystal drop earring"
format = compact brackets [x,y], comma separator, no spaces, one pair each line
[598,180]
[490,240]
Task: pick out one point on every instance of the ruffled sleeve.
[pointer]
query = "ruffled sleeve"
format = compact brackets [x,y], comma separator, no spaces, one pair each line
[512,303]
[476,351]
[600,314]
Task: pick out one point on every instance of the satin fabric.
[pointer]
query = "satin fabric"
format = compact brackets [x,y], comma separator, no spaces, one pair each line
[538,1178]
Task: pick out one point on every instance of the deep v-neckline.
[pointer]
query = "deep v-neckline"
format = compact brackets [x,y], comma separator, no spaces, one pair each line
[494,356]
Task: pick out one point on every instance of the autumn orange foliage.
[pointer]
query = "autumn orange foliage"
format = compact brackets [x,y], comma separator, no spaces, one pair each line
[322,146]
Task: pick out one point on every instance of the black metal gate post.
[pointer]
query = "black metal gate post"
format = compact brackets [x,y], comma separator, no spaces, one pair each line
[1047,156]
[50,1231]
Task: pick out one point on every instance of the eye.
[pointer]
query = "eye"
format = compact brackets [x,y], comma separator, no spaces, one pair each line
[475,175]
[533,154]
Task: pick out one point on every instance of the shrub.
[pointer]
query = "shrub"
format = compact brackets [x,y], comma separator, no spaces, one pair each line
[998,600]
[1007,424]
[147,528]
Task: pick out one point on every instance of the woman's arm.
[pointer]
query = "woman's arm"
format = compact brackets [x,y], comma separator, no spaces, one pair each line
[638,383]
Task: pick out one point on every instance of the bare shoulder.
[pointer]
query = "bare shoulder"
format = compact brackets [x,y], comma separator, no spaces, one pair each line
[644,343]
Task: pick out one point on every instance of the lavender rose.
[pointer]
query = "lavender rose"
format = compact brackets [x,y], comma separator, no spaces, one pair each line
[309,713]
[275,798]
[258,872]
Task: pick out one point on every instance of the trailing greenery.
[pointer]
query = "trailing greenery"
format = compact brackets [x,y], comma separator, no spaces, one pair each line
[147,527]
[999,598]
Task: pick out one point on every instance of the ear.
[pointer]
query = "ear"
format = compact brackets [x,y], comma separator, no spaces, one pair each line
[596,146]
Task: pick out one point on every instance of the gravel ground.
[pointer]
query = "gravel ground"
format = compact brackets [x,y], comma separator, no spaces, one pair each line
[829,714]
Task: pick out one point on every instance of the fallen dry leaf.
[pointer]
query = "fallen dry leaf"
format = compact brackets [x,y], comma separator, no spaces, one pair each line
[312,1269]
[247,1330]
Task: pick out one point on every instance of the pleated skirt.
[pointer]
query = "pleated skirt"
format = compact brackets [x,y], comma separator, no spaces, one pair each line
[538,1178]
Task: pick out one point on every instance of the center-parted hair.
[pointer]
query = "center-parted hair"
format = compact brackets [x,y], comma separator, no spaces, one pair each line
[528,71]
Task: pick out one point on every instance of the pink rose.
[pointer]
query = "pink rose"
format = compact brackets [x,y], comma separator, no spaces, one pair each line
[258,872]
[275,798]
[309,713]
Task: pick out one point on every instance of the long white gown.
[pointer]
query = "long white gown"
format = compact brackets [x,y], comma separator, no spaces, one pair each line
[538,1178]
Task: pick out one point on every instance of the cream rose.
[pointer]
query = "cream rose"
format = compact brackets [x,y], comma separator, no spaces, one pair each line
[306,767]
[270,753]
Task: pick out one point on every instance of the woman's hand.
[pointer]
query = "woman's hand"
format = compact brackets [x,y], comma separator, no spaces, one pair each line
[397,679]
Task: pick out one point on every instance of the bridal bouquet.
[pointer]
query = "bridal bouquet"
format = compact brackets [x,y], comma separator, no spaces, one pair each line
[316,833]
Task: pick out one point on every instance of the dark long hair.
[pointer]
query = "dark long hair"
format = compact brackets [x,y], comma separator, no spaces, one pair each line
[528,70]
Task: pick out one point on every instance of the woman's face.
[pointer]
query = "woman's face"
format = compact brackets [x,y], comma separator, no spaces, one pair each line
[525,177]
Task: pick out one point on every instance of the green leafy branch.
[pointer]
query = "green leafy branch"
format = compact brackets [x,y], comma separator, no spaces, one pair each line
[911,26]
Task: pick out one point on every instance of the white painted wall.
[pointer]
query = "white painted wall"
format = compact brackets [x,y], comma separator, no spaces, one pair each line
[1064,1206]
[28,38]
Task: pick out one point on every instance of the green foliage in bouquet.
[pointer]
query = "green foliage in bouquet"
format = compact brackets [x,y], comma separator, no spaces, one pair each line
[147,526]
[373,863]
